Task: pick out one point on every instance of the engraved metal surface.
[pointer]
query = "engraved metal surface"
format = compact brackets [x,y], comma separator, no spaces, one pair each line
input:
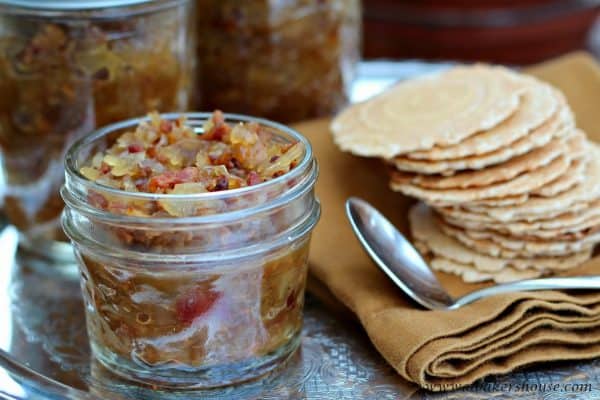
[44,352]
[46,333]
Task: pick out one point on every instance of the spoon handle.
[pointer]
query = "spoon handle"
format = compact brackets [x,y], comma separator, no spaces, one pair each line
[573,283]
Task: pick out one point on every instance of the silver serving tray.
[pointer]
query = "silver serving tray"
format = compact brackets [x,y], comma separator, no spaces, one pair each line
[44,352]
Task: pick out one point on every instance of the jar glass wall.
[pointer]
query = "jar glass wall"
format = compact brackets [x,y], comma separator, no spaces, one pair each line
[207,299]
[284,60]
[64,72]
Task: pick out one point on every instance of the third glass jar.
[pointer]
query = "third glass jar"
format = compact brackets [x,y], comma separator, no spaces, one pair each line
[285,60]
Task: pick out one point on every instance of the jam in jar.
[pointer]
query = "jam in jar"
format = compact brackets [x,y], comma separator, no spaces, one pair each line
[192,234]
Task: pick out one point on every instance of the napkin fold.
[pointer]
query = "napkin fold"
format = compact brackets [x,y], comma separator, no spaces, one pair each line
[444,350]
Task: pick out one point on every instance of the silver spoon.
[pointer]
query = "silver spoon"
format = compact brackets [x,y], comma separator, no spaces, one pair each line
[401,262]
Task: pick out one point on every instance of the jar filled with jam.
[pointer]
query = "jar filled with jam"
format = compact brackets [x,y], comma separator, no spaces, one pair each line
[67,67]
[285,60]
[192,236]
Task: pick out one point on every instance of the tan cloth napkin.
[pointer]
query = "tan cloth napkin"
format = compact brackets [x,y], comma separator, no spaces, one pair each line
[441,350]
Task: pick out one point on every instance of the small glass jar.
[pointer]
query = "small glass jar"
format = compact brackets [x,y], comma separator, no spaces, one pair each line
[283,60]
[67,67]
[198,301]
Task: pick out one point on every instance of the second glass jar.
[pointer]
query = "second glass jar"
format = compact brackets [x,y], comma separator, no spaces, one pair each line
[284,60]
[68,67]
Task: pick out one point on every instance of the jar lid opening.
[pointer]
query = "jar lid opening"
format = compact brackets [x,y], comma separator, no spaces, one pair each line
[85,8]
[71,5]
[77,187]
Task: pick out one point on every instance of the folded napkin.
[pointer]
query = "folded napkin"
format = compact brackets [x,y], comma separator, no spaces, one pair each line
[443,350]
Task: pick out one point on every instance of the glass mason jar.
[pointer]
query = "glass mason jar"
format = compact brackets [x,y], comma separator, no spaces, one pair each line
[207,299]
[67,67]
[285,60]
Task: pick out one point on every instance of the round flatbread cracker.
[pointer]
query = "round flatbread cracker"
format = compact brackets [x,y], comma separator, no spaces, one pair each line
[572,200]
[539,137]
[523,250]
[571,178]
[470,274]
[524,183]
[548,218]
[546,229]
[441,109]
[540,101]
[497,173]
[490,202]
[430,236]
[559,244]
[583,216]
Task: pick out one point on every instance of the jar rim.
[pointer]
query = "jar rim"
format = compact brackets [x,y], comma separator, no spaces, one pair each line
[72,173]
[299,230]
[88,8]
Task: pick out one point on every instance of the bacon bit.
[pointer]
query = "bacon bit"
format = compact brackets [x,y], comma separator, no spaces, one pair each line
[222,183]
[218,117]
[278,174]
[253,178]
[140,184]
[102,74]
[171,178]
[218,132]
[234,163]
[105,168]
[125,236]
[195,304]
[97,200]
[119,207]
[219,127]
[223,158]
[135,148]
[166,126]
[151,152]
[274,158]
[290,302]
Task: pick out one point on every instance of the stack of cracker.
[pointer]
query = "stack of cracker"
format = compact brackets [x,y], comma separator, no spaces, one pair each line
[510,188]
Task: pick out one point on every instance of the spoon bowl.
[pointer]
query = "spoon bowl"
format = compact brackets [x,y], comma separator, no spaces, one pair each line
[396,256]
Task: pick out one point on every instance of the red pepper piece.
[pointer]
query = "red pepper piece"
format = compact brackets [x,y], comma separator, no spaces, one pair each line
[135,148]
[105,168]
[195,304]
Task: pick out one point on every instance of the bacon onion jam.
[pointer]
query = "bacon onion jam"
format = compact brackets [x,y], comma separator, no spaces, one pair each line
[169,157]
[192,234]
[284,60]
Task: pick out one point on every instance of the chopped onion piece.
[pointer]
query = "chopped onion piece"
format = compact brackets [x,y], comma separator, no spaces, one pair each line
[283,163]
[90,173]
